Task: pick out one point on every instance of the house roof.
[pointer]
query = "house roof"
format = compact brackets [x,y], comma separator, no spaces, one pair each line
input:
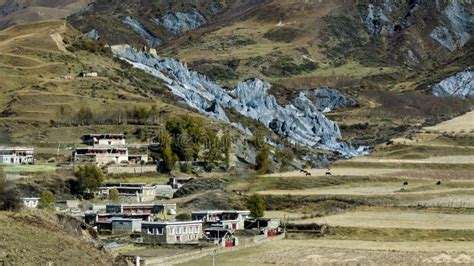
[173,223]
[221,211]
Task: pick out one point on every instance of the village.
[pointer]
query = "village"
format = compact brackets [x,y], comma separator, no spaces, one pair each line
[141,214]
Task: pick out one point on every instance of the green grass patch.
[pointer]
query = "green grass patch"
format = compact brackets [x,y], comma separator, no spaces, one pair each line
[19,169]
[149,179]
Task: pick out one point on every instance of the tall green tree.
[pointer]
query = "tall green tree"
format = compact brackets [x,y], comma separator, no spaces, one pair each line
[47,201]
[213,153]
[263,163]
[169,159]
[90,177]
[226,144]
[256,205]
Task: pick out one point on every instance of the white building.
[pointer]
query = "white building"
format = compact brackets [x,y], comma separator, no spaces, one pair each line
[229,219]
[89,74]
[100,155]
[16,155]
[104,139]
[172,232]
[141,192]
[30,202]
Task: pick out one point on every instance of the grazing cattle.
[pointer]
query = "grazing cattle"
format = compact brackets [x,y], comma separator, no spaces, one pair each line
[405,183]
[308,174]
[438,183]
[302,171]
[328,173]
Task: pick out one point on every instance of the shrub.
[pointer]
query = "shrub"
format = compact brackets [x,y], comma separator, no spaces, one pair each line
[9,200]
[47,201]
[114,195]
[183,217]
[284,34]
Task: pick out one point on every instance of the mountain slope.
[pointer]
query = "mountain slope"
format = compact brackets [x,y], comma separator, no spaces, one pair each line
[14,12]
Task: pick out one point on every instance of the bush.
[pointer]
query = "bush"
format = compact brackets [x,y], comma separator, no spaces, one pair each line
[286,35]
[9,200]
[285,67]
[47,201]
[183,217]
[114,195]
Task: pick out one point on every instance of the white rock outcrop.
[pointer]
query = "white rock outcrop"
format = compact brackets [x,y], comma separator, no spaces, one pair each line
[457,26]
[180,22]
[323,100]
[150,39]
[460,85]
[250,99]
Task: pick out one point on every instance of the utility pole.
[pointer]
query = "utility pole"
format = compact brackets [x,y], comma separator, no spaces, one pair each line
[214,257]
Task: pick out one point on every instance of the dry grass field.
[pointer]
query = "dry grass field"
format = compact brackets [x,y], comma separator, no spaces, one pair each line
[422,222]
[396,219]
[348,252]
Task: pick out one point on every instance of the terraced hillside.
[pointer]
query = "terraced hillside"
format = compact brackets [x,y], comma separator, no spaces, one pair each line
[410,202]
[14,12]
[42,91]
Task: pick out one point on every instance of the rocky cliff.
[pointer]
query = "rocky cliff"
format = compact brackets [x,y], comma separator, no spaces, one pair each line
[459,85]
[250,98]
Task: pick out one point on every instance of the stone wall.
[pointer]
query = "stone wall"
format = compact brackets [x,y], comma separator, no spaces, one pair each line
[131,169]
[182,258]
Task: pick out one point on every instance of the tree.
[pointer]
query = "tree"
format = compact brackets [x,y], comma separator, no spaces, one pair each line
[226,143]
[166,153]
[84,116]
[114,195]
[213,153]
[256,205]
[9,200]
[263,164]
[90,177]
[47,201]
[285,157]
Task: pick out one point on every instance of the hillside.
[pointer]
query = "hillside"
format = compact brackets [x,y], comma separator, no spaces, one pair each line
[14,12]
[36,237]
[46,103]
[359,48]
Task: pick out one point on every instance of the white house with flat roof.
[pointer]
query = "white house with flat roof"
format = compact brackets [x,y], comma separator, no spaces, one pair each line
[16,155]
[176,232]
[104,139]
[230,219]
[30,202]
